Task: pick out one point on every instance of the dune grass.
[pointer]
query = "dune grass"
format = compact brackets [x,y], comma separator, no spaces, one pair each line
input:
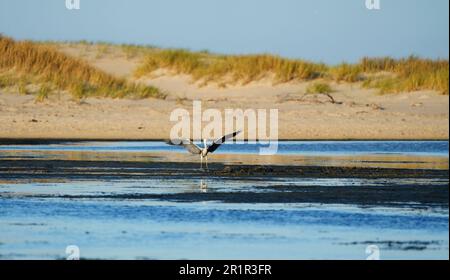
[22,87]
[408,74]
[25,62]
[42,63]
[345,72]
[134,51]
[6,80]
[319,87]
[400,75]
[229,69]
[43,93]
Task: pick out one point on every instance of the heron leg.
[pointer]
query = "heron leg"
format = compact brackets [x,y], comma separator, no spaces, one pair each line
[206,158]
[201,162]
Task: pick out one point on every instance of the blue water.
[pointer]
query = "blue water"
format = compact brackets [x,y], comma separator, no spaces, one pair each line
[243,214]
[43,228]
[426,148]
[32,227]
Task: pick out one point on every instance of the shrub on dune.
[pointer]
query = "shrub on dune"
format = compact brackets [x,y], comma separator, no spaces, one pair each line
[319,88]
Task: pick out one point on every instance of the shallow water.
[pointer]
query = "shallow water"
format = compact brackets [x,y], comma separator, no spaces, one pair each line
[431,148]
[39,218]
[385,154]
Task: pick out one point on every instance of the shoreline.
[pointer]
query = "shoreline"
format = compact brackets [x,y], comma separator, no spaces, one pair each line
[369,153]
[38,141]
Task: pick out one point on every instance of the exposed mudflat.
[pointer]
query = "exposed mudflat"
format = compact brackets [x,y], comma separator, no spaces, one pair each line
[435,192]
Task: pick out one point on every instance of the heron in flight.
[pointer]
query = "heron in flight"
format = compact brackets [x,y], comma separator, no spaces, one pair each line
[203,152]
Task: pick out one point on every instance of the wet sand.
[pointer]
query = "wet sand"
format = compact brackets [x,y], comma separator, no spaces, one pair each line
[406,192]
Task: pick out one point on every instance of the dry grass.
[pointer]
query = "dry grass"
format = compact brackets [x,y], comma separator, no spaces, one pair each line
[6,80]
[24,62]
[345,72]
[22,87]
[404,75]
[136,51]
[409,74]
[229,69]
[43,61]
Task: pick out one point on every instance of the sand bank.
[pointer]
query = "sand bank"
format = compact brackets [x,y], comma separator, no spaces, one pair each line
[358,114]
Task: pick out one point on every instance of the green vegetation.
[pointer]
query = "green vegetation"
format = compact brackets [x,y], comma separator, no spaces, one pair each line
[23,61]
[319,88]
[43,93]
[386,74]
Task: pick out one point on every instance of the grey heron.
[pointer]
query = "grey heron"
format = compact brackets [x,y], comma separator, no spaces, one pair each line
[203,152]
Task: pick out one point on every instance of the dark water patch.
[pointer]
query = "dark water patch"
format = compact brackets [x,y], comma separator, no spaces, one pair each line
[407,195]
[414,245]
[126,169]
[27,224]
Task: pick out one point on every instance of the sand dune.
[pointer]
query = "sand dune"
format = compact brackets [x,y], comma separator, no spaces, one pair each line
[360,114]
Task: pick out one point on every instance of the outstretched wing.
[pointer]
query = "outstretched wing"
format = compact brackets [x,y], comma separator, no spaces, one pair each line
[187,144]
[220,140]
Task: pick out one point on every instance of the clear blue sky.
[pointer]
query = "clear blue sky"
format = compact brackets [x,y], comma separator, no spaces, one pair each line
[331,31]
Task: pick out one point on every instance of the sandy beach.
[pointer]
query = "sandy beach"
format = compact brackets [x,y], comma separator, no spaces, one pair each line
[358,114]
